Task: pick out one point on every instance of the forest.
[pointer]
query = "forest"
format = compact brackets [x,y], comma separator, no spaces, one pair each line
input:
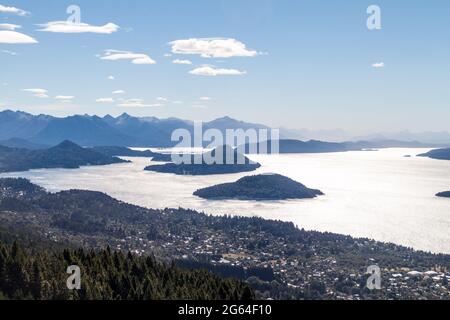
[40,274]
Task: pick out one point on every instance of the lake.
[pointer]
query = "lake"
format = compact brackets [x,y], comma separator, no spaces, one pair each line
[381,195]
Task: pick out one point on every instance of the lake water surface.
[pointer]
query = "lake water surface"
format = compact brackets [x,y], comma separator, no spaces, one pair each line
[382,194]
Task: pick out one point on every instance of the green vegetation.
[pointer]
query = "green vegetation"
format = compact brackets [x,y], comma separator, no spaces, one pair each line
[276,259]
[260,187]
[41,275]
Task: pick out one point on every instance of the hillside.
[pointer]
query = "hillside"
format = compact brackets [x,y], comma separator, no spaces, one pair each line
[82,130]
[260,187]
[22,144]
[242,248]
[438,154]
[106,275]
[445,194]
[65,155]
[21,124]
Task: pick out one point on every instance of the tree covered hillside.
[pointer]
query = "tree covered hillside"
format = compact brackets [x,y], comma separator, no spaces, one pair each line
[41,275]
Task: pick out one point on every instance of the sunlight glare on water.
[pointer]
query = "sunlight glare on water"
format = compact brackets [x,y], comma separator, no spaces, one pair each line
[381,195]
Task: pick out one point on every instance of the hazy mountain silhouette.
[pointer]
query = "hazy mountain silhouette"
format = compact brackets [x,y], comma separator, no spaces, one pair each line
[21,125]
[128,131]
[65,155]
[85,130]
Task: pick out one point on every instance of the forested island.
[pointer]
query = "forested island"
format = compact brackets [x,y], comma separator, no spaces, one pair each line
[259,187]
[438,154]
[276,259]
[65,155]
[112,151]
[445,194]
[162,157]
[219,165]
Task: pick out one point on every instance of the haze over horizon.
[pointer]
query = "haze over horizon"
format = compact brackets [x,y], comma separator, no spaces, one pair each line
[291,64]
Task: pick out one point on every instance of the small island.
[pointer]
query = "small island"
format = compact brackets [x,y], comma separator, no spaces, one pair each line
[219,165]
[112,151]
[438,154]
[162,157]
[445,194]
[260,188]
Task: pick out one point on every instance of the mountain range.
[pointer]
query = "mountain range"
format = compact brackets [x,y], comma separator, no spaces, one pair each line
[18,128]
[23,130]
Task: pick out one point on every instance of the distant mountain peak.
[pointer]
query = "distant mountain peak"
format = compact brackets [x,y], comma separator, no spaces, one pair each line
[124,116]
[226,118]
[67,144]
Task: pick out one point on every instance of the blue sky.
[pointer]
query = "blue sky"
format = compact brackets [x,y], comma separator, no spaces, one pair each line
[297,64]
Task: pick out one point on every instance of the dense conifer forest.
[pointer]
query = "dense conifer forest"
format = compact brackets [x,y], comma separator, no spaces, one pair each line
[40,274]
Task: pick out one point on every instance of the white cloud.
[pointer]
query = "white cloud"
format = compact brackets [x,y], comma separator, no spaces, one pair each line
[378,65]
[135,58]
[70,27]
[13,10]
[12,53]
[13,37]
[105,100]
[162,99]
[205,98]
[212,72]
[167,55]
[178,61]
[136,103]
[199,106]
[35,90]
[9,26]
[212,48]
[177,102]
[65,98]
[118,92]
[111,78]
[38,93]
